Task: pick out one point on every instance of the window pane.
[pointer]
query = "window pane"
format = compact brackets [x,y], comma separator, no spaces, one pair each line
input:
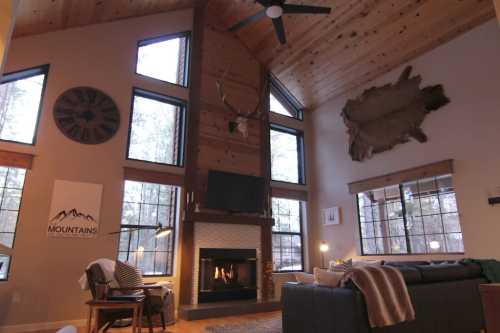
[284,157]
[286,214]
[4,266]
[19,107]
[141,247]
[288,256]
[287,247]
[163,60]
[431,223]
[11,190]
[154,132]
[277,107]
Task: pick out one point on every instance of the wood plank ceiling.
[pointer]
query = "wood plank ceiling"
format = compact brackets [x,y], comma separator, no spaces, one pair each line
[325,55]
[361,39]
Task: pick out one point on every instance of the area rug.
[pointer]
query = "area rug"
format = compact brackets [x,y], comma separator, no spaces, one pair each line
[271,325]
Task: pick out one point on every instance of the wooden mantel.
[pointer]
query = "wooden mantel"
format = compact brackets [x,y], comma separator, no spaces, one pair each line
[229,219]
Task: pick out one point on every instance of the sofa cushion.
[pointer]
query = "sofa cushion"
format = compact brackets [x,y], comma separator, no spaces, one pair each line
[406,263]
[447,272]
[325,278]
[411,275]
[306,278]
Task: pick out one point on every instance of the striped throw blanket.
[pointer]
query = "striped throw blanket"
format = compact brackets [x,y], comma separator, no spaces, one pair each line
[384,289]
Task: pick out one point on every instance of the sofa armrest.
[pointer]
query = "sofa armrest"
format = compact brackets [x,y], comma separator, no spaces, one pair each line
[315,309]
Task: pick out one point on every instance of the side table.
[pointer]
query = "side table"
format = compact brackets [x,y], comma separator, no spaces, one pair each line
[490,295]
[96,305]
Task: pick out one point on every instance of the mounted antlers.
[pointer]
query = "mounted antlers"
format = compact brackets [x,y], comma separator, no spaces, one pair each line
[241,121]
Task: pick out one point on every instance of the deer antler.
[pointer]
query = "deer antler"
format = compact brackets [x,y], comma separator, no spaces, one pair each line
[222,95]
[255,113]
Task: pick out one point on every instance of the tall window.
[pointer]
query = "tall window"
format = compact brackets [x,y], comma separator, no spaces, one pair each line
[165,58]
[411,218]
[11,189]
[287,235]
[20,104]
[157,128]
[146,208]
[287,155]
[282,101]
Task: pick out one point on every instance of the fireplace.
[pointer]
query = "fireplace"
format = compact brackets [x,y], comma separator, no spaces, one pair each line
[227,274]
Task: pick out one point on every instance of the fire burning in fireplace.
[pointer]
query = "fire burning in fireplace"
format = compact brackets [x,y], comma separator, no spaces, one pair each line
[226,275]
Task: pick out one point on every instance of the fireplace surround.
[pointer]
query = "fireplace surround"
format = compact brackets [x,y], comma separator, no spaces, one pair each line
[227,274]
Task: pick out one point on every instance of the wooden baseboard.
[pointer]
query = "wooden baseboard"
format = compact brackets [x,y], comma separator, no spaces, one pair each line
[41,326]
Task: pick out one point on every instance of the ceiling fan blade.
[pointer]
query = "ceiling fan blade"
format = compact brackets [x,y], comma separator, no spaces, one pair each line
[248,20]
[299,9]
[280,29]
[122,231]
[265,3]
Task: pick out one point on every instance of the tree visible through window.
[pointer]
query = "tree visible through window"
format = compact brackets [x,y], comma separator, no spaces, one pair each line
[157,129]
[145,205]
[164,58]
[287,235]
[11,189]
[286,155]
[20,103]
[413,217]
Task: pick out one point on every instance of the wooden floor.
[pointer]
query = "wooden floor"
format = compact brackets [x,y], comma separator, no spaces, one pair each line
[197,326]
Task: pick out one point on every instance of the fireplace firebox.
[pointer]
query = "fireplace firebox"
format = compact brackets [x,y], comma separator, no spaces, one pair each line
[227,274]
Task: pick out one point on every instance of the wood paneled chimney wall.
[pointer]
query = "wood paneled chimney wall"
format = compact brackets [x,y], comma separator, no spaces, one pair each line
[8,10]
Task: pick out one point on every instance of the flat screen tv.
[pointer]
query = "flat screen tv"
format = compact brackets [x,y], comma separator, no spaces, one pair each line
[235,193]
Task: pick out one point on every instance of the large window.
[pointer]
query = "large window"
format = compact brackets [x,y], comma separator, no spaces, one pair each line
[11,189]
[157,128]
[282,102]
[411,218]
[165,58]
[287,235]
[146,207]
[287,155]
[20,104]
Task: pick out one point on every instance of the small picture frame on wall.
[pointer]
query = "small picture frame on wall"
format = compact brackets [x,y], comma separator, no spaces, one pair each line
[331,216]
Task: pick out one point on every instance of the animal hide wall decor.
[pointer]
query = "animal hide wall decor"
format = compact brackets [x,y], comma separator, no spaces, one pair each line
[383,117]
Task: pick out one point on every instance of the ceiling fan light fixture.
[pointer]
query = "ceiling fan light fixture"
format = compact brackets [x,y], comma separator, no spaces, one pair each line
[274,12]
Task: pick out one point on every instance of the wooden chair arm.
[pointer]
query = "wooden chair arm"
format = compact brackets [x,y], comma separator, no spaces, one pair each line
[143,287]
[114,302]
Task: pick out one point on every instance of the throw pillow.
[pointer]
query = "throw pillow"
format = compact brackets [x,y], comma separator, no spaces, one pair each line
[128,276]
[305,278]
[340,265]
[324,278]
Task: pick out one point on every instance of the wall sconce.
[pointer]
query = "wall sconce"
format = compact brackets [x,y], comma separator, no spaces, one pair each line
[323,248]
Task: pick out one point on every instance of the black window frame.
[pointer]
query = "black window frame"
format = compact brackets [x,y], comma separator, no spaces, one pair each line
[300,152]
[163,38]
[405,221]
[152,227]
[285,97]
[301,234]
[18,217]
[25,74]
[182,104]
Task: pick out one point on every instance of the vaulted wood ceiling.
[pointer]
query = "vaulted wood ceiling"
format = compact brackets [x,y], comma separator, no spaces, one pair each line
[325,55]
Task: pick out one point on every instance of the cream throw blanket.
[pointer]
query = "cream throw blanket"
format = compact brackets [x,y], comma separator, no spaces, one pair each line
[386,295]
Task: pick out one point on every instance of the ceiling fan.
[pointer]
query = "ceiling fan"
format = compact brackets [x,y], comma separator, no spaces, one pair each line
[274,9]
[160,230]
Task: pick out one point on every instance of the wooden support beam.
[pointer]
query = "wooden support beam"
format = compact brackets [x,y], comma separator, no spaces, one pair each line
[497,7]
[187,229]
[8,9]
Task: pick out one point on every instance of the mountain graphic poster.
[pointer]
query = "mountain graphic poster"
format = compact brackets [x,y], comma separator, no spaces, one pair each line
[75,209]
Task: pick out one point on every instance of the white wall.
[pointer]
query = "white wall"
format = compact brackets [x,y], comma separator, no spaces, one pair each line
[466,130]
